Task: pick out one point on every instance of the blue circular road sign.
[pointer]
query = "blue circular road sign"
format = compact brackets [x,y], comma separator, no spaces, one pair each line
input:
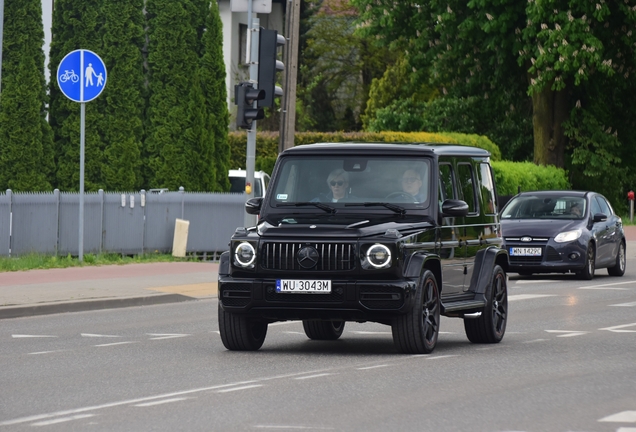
[81,75]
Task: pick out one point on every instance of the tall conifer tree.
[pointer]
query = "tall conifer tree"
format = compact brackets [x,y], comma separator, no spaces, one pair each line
[122,102]
[76,25]
[26,157]
[213,81]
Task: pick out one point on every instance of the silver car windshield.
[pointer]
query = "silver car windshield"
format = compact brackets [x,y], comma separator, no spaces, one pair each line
[545,207]
[345,181]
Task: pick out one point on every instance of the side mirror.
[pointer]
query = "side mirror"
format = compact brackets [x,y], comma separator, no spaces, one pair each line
[253,206]
[599,217]
[454,208]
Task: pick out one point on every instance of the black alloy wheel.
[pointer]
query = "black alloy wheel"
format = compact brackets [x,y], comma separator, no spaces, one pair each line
[619,267]
[416,332]
[590,263]
[490,326]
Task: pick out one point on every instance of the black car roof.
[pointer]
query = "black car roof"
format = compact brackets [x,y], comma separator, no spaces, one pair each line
[439,149]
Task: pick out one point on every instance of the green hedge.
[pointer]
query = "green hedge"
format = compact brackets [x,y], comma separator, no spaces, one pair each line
[510,176]
[267,143]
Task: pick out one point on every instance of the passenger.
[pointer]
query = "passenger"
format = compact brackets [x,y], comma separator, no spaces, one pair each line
[412,183]
[338,181]
[575,210]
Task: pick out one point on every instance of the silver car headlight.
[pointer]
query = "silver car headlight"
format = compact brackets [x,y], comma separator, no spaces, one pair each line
[378,256]
[244,255]
[568,236]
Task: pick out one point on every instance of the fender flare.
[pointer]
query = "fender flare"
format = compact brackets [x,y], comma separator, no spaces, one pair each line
[224,264]
[485,261]
[418,261]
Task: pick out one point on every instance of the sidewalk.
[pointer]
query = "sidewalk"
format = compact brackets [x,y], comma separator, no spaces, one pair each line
[40,292]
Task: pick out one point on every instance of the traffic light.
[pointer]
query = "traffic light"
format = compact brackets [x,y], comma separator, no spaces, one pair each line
[268,65]
[244,96]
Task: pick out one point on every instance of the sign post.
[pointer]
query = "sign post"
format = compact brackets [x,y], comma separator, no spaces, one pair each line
[81,76]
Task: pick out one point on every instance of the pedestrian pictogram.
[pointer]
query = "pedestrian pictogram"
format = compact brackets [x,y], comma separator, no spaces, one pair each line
[81,75]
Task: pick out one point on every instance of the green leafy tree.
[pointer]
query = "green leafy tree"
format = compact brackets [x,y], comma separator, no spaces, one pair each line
[122,101]
[336,68]
[561,54]
[26,154]
[77,24]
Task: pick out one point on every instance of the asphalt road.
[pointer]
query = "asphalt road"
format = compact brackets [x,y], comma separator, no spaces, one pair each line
[567,363]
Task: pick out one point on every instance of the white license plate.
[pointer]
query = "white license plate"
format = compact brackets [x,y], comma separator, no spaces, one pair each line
[303,286]
[521,251]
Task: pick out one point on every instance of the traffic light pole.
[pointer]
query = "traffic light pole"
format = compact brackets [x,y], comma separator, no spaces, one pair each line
[250,153]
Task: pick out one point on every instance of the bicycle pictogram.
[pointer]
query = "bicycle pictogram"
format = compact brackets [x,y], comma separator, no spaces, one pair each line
[69,75]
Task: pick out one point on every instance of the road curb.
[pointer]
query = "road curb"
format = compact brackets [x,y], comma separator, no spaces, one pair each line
[89,305]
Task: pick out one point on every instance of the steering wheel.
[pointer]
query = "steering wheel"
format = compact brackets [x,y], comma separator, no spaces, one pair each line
[405,196]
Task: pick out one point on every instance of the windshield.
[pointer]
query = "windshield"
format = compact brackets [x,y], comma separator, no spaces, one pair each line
[545,207]
[349,182]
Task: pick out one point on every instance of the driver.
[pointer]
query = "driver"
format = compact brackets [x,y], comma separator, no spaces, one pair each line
[412,183]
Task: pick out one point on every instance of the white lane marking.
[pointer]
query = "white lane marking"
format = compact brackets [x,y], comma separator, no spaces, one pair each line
[240,388]
[610,284]
[160,336]
[18,336]
[292,427]
[443,356]
[621,417]
[535,340]
[604,288]
[370,332]
[624,429]
[115,404]
[283,323]
[216,331]
[535,281]
[625,304]
[98,335]
[44,352]
[567,333]
[293,332]
[528,296]
[147,404]
[617,329]
[63,419]
[373,367]
[114,343]
[313,376]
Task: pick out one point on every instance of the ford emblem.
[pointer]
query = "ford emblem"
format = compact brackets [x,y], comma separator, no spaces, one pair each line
[526,239]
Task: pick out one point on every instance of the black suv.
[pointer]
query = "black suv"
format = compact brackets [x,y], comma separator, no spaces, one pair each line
[398,234]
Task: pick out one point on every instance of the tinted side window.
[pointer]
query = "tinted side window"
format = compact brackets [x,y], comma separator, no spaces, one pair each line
[446,182]
[488,200]
[605,208]
[466,180]
[595,207]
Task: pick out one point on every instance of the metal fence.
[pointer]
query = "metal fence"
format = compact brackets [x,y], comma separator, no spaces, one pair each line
[126,223]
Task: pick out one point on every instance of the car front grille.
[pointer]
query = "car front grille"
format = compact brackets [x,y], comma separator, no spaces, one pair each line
[331,256]
[528,260]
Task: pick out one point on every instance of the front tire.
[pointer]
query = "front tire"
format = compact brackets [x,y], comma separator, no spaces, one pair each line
[416,331]
[323,330]
[241,333]
[490,327]
[619,267]
[590,263]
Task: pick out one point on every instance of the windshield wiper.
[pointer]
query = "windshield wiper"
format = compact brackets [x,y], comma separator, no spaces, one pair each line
[395,208]
[321,206]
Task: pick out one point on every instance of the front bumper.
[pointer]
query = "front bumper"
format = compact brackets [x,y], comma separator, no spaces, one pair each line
[555,257]
[368,300]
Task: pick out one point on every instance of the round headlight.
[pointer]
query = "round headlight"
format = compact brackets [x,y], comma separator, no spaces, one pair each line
[245,254]
[379,256]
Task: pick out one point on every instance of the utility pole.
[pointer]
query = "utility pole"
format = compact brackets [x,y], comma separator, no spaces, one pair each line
[1,37]
[288,102]
[253,25]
